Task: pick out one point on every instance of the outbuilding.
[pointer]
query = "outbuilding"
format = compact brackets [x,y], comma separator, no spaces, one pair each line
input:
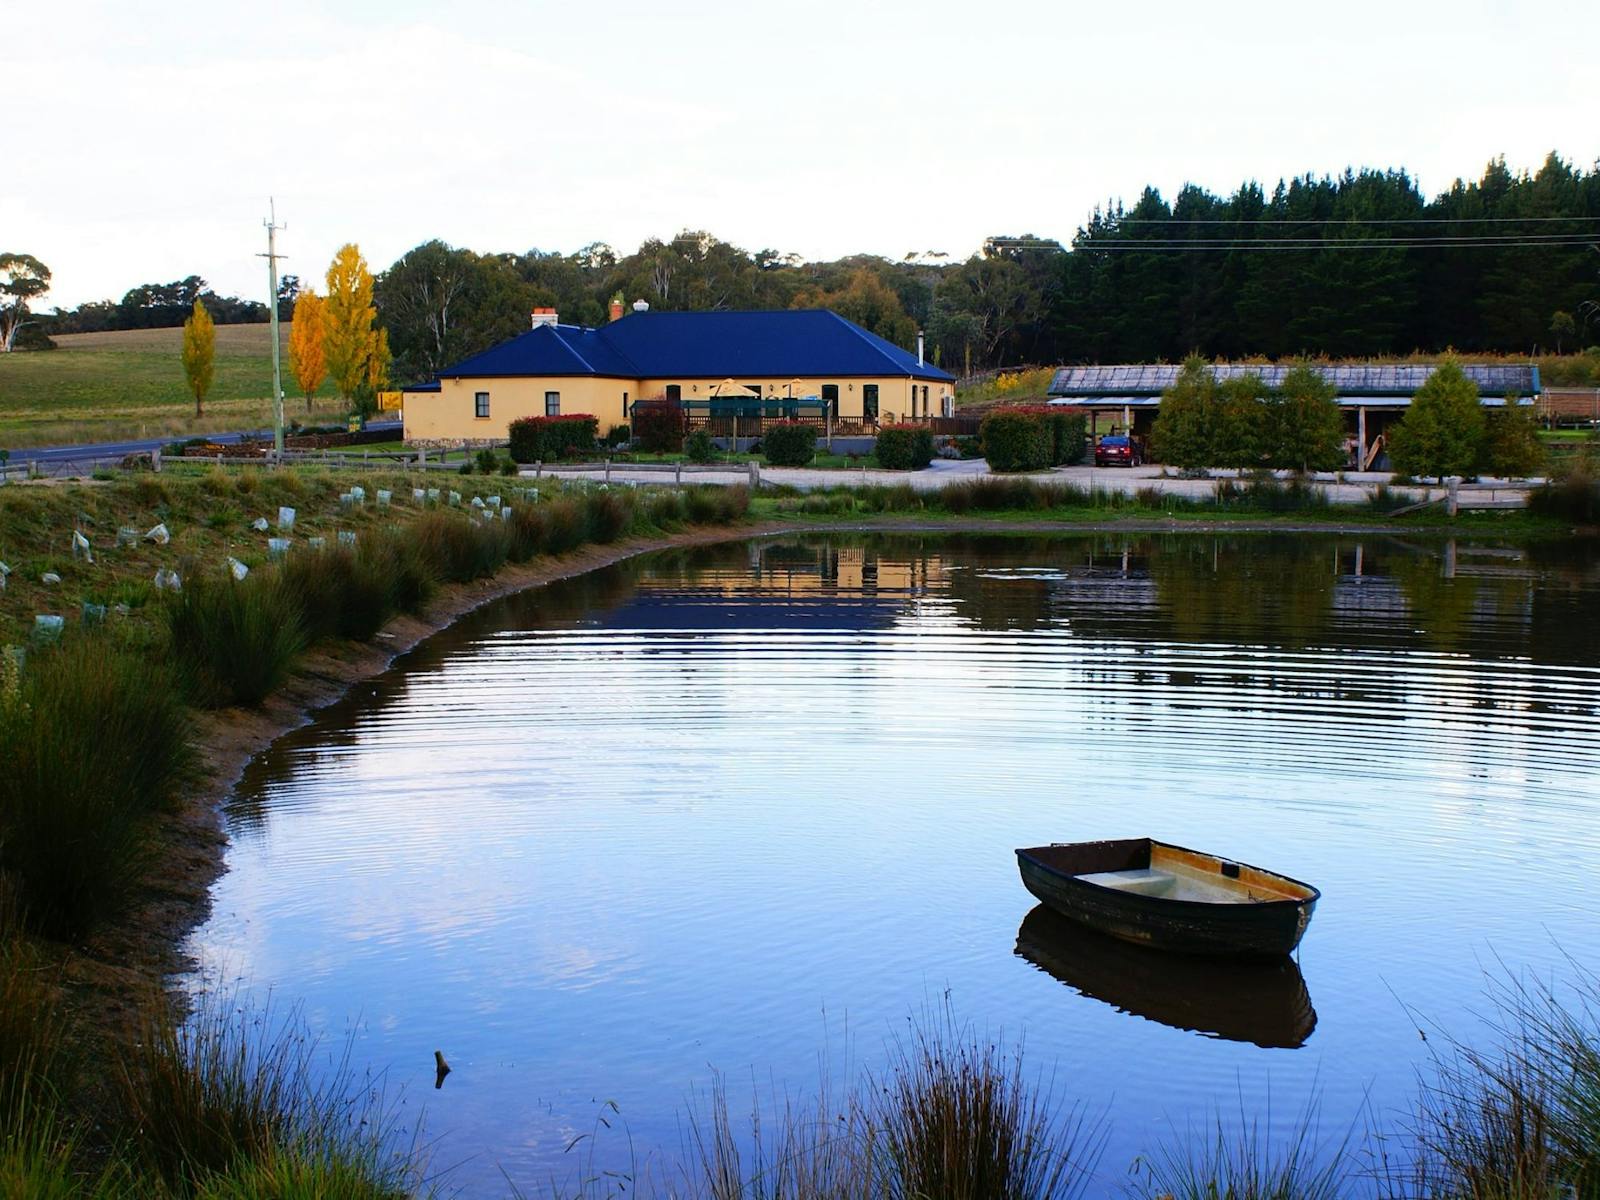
[1126,398]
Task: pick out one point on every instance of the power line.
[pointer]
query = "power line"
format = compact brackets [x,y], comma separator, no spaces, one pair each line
[1341,220]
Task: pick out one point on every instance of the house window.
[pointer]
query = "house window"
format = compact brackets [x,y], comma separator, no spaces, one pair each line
[925,400]
[552,404]
[830,397]
[869,402]
[480,405]
[674,391]
[624,406]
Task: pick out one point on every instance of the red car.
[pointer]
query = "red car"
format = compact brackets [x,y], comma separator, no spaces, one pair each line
[1119,450]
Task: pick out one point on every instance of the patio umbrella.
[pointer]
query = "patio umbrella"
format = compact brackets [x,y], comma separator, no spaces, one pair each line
[795,388]
[729,388]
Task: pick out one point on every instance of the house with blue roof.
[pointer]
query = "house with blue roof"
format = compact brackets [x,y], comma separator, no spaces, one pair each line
[810,363]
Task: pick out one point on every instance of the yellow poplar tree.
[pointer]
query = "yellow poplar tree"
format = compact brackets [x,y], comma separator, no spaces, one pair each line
[199,353]
[348,339]
[308,358]
[379,361]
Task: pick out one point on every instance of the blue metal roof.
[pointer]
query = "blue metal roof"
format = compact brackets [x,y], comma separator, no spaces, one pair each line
[702,345]
[1394,381]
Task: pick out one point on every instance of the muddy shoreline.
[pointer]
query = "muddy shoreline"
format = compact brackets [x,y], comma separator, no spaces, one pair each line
[112,979]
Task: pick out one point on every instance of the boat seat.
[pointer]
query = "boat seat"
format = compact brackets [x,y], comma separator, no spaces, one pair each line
[1144,882]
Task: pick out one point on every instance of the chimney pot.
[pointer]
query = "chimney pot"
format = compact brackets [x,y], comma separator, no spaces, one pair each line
[641,306]
[919,348]
[616,310]
[544,316]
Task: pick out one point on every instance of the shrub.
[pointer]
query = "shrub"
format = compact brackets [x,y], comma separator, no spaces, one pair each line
[904,447]
[789,443]
[1016,441]
[1067,431]
[618,435]
[1304,428]
[1511,445]
[93,739]
[544,439]
[659,426]
[235,641]
[508,467]
[1183,430]
[700,448]
[487,461]
[1442,432]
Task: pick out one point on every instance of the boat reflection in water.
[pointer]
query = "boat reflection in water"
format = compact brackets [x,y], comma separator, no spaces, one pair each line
[1264,1003]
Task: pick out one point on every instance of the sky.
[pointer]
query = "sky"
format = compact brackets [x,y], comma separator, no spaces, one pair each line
[144,139]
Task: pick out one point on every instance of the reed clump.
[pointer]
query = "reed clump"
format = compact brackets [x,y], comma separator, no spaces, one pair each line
[235,639]
[234,1103]
[1518,1118]
[94,739]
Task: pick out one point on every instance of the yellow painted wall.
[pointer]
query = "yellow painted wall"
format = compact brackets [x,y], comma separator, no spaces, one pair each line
[448,415]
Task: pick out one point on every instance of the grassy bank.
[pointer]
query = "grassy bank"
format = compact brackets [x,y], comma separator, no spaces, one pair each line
[127,384]
[1019,499]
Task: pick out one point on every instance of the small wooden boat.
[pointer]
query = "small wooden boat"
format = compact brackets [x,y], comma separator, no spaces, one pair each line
[1261,1002]
[1170,898]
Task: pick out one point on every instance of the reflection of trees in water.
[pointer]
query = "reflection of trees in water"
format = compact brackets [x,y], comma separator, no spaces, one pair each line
[1441,608]
[1256,589]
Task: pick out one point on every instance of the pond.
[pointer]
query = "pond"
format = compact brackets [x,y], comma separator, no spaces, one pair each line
[743,809]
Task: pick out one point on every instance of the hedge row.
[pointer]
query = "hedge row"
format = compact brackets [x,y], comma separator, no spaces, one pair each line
[545,439]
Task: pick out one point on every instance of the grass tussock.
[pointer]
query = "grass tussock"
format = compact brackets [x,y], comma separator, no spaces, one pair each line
[952,1116]
[94,738]
[460,550]
[1518,1118]
[1241,1164]
[235,640]
[235,1104]
[1575,497]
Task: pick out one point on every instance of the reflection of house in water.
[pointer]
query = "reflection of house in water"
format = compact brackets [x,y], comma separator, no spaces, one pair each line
[784,584]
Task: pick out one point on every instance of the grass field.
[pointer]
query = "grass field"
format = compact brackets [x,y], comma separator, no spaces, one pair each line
[110,386]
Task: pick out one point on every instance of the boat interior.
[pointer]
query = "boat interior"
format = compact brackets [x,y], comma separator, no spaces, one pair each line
[1149,868]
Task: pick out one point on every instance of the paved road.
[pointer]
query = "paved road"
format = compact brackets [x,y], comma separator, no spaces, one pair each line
[117,449]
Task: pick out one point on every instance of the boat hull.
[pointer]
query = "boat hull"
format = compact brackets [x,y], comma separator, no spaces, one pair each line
[1261,930]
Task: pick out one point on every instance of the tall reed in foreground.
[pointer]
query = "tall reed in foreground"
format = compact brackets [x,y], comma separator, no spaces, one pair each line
[1240,1164]
[952,1116]
[232,1103]
[1518,1119]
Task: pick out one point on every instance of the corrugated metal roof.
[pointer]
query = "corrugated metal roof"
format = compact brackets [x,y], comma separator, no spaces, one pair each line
[1359,381]
[702,345]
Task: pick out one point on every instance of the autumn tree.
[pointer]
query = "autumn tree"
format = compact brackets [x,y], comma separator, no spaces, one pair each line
[349,340]
[308,357]
[868,301]
[199,353]
[22,278]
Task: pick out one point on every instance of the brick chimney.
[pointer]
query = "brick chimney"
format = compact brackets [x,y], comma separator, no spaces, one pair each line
[544,316]
[616,308]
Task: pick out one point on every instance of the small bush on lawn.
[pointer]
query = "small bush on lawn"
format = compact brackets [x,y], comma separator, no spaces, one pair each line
[904,447]
[487,461]
[699,447]
[93,739]
[235,640]
[545,439]
[665,510]
[789,443]
[1016,441]
[659,426]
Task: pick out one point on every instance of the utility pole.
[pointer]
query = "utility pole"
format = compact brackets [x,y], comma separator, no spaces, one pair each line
[272,256]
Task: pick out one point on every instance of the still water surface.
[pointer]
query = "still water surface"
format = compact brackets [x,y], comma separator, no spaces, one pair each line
[732,809]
